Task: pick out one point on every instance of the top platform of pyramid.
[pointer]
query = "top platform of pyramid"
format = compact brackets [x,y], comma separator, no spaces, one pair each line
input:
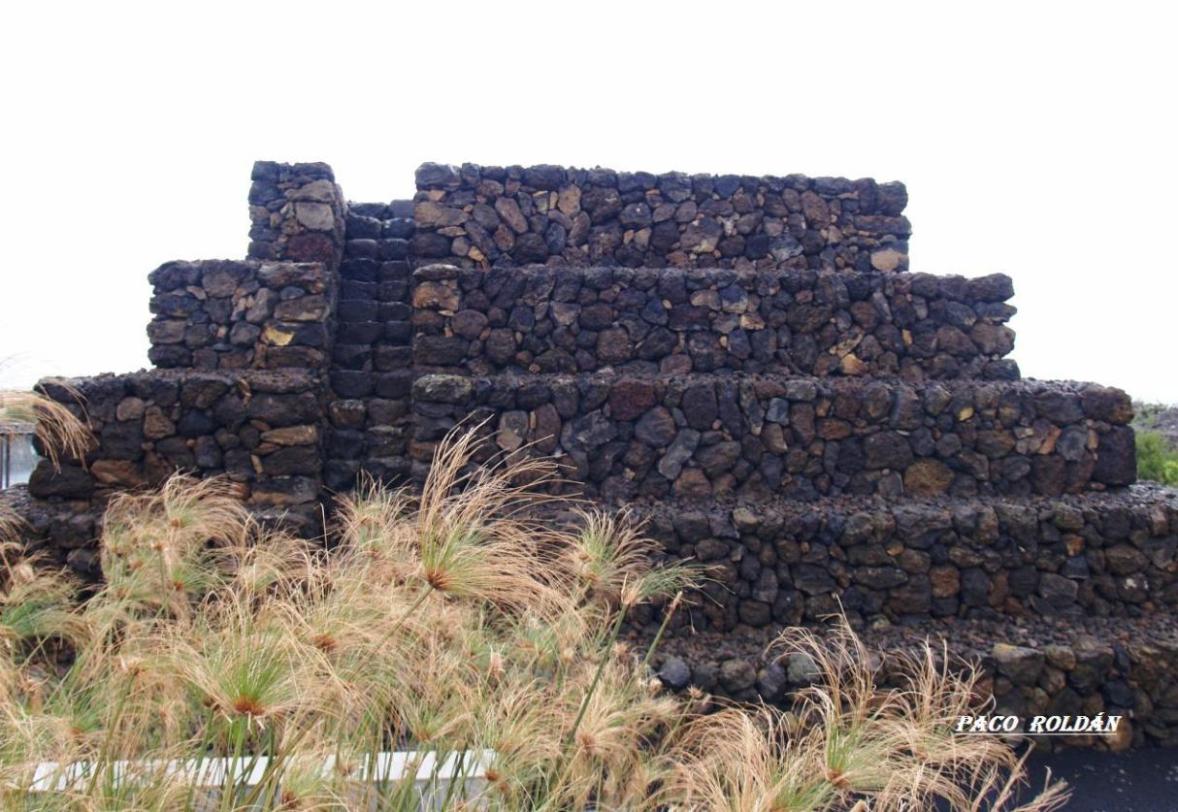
[477,215]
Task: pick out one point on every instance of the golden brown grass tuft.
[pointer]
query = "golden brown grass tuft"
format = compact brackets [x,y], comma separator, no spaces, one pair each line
[11,527]
[849,742]
[453,621]
[61,432]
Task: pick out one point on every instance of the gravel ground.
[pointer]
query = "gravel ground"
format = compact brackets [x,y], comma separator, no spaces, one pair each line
[1136,781]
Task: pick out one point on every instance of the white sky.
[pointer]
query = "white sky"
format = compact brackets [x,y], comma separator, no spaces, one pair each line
[1037,140]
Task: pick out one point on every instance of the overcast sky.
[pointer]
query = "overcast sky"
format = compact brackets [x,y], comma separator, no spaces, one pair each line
[1035,140]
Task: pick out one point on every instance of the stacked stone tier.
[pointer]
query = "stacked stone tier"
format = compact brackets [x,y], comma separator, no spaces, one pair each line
[478,216]
[702,436]
[241,314]
[1126,667]
[1097,554]
[259,428]
[675,320]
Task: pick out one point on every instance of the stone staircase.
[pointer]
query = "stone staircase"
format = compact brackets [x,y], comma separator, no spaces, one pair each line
[744,363]
[371,369]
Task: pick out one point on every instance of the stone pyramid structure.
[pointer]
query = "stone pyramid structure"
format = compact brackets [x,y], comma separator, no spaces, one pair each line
[745,362]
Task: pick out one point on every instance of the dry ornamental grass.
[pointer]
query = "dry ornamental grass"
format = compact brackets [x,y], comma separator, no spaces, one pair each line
[60,432]
[450,622]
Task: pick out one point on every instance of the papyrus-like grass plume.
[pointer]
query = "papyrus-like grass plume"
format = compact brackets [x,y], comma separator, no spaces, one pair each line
[461,619]
[849,742]
[62,433]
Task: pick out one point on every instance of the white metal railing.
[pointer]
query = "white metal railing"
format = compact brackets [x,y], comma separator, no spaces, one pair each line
[208,777]
[17,457]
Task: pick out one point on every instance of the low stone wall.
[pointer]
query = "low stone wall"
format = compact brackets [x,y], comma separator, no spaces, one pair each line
[1097,555]
[225,314]
[58,531]
[1122,667]
[541,319]
[484,215]
[260,429]
[705,436]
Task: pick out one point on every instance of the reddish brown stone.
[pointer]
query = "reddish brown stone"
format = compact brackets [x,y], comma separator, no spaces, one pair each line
[629,398]
[310,246]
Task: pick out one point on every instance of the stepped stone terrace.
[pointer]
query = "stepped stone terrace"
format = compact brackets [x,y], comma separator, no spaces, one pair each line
[746,363]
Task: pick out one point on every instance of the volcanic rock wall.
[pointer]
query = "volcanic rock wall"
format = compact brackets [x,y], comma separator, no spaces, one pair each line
[743,362]
[296,213]
[261,429]
[767,438]
[225,314]
[479,215]
[674,320]
[1095,555]
[243,350]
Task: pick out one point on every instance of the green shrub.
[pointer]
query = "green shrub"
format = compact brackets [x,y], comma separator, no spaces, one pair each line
[1157,460]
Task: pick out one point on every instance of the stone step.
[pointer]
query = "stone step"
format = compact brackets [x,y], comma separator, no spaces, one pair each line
[378,230]
[1087,555]
[701,436]
[261,429]
[674,320]
[1126,667]
[383,212]
[373,332]
[241,314]
[479,215]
